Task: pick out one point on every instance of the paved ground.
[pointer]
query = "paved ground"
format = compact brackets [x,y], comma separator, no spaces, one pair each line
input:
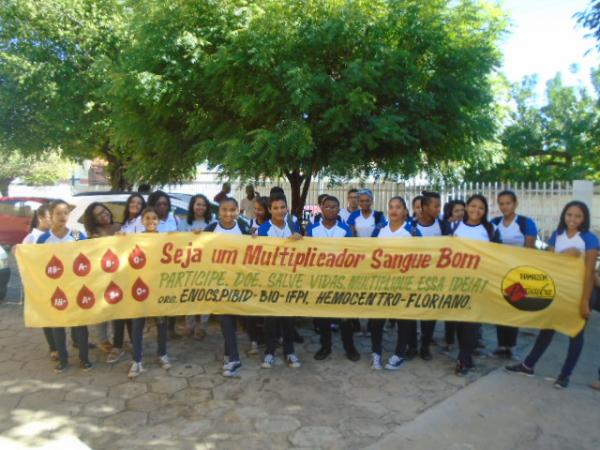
[334,404]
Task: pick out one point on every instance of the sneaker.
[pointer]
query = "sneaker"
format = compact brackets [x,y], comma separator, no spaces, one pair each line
[61,366]
[268,361]
[163,362]
[561,382]
[135,370]
[411,352]
[231,368]
[425,354]
[394,362]
[115,355]
[520,369]
[323,353]
[376,362]
[253,350]
[54,356]
[85,365]
[352,354]
[225,361]
[293,361]
[461,369]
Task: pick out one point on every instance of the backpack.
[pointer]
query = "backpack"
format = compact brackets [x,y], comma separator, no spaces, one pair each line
[244,227]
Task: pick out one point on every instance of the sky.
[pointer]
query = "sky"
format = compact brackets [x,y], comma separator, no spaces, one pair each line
[546,39]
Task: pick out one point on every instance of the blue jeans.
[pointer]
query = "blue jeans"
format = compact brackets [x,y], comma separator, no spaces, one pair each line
[543,341]
[81,338]
[137,331]
[228,328]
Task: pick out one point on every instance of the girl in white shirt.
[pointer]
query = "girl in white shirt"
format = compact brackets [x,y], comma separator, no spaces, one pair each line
[132,217]
[365,220]
[475,225]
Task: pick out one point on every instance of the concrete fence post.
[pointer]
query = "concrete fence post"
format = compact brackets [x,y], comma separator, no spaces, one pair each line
[583,190]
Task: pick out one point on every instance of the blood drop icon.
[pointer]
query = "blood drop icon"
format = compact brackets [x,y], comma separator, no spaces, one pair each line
[54,268]
[85,298]
[113,293]
[110,262]
[140,290]
[137,258]
[59,299]
[82,265]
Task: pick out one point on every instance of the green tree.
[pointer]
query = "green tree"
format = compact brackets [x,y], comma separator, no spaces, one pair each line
[38,170]
[556,141]
[298,87]
[590,19]
[55,61]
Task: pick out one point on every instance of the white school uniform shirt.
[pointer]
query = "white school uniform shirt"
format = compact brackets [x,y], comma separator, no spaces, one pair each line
[435,229]
[234,230]
[582,241]
[345,214]
[50,238]
[404,231]
[196,225]
[477,232]
[169,224]
[511,234]
[33,237]
[340,229]
[133,226]
[269,229]
[364,226]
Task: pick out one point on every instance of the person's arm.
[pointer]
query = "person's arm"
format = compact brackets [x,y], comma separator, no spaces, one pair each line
[590,267]
[530,233]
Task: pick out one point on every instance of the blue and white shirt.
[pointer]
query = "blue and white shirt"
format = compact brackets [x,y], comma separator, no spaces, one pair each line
[133,226]
[513,233]
[435,229]
[406,230]
[582,241]
[169,224]
[340,229]
[478,232]
[50,238]
[345,214]
[365,226]
[269,229]
[196,225]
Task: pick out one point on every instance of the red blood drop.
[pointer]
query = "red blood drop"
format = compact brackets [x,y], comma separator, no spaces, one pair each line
[59,299]
[110,262]
[113,293]
[516,292]
[82,265]
[55,268]
[137,258]
[140,290]
[85,298]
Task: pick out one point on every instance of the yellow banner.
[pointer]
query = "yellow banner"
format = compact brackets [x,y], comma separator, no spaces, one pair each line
[172,274]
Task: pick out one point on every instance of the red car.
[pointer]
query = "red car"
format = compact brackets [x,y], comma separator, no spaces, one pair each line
[16,214]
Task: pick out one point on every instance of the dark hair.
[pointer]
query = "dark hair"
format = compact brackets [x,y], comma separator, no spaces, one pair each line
[207,213]
[585,226]
[331,198]
[229,200]
[276,190]
[449,208]
[352,191]
[148,210]
[484,220]
[428,196]
[321,198]
[126,217]
[89,220]
[511,194]
[35,219]
[55,204]
[153,198]
[277,198]
[400,199]
[418,198]
[264,203]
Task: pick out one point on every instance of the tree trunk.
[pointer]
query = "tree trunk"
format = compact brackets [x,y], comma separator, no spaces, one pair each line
[117,165]
[299,183]
[4,183]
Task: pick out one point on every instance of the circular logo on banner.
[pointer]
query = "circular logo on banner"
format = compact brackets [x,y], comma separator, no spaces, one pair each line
[528,288]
